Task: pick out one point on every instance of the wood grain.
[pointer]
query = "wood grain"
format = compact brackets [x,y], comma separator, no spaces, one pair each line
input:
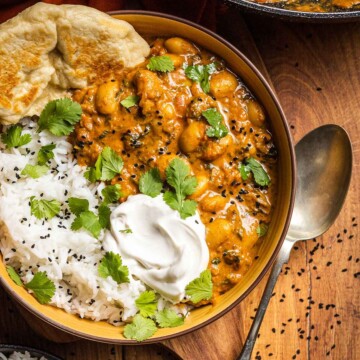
[315,70]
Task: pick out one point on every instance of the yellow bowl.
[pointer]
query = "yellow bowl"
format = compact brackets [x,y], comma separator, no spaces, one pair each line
[162,25]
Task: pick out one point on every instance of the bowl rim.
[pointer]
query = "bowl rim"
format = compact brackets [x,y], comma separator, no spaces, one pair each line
[9,349]
[270,92]
[296,15]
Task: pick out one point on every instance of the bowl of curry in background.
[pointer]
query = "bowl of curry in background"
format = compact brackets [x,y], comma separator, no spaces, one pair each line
[150,24]
[303,10]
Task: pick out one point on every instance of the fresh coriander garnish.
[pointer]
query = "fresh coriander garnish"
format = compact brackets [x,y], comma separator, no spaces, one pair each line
[14,276]
[77,205]
[140,329]
[44,209]
[13,138]
[111,265]
[107,166]
[214,118]
[111,193]
[147,303]
[89,221]
[201,74]
[60,116]
[35,171]
[42,287]
[260,175]
[104,216]
[126,231]
[262,229]
[130,101]
[200,288]
[150,183]
[45,154]
[161,63]
[178,176]
[168,318]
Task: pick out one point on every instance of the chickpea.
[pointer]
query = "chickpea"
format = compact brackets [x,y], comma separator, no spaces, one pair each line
[148,84]
[179,46]
[223,83]
[191,137]
[167,111]
[215,148]
[176,59]
[213,203]
[202,185]
[256,113]
[219,231]
[105,99]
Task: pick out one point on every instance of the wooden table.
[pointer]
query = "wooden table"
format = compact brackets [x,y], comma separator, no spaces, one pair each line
[315,309]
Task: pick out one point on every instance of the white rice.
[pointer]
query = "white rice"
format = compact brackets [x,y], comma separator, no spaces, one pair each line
[70,258]
[20,356]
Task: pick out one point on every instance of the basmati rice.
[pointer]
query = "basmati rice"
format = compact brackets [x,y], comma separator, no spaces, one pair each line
[69,258]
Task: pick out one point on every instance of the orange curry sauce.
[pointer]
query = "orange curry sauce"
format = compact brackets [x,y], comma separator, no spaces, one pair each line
[167,123]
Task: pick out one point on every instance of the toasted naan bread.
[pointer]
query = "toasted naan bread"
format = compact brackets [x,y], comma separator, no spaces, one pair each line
[48,49]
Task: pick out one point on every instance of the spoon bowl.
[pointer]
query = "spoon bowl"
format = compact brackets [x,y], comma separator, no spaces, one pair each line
[323,160]
[324,163]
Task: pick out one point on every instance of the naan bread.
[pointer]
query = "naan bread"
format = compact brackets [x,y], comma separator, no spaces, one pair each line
[48,49]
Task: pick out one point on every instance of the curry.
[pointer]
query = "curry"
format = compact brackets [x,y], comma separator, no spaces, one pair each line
[166,121]
[314,6]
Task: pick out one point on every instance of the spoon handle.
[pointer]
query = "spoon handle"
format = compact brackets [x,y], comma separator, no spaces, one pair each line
[281,259]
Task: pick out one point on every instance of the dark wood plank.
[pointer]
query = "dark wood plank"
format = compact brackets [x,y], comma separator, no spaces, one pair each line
[316,74]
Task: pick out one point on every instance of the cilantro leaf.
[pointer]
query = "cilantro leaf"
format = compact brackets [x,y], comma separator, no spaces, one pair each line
[201,74]
[104,216]
[168,318]
[111,265]
[260,175]
[44,209]
[130,101]
[107,166]
[42,287]
[14,276]
[112,164]
[178,176]
[140,329]
[126,231]
[262,229]
[45,154]
[92,175]
[161,63]
[200,288]
[13,138]
[35,171]
[77,206]
[214,118]
[89,221]
[60,116]
[188,208]
[111,193]
[150,183]
[147,303]
[244,171]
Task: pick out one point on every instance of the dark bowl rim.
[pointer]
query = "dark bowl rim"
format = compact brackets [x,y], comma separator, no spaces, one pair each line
[7,348]
[281,239]
[272,10]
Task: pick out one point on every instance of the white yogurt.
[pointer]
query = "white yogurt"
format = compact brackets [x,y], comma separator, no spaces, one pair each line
[163,250]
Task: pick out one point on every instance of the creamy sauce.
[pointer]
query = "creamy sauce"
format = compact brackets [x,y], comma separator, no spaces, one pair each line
[167,123]
[161,249]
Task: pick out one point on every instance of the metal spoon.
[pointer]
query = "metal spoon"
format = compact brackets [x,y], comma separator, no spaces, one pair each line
[324,162]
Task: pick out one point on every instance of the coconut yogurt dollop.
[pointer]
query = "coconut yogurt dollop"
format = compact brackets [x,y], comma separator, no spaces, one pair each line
[161,249]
